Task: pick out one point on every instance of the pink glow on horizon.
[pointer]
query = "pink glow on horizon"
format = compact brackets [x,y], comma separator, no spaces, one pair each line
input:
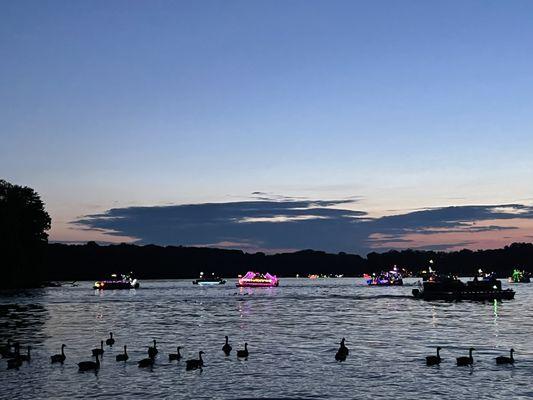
[476,240]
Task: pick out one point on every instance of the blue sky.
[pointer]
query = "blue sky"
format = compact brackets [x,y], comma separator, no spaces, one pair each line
[403,105]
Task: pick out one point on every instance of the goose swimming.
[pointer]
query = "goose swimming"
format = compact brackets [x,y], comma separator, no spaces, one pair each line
[343,349]
[89,365]
[434,360]
[466,360]
[227,347]
[59,358]
[243,353]
[506,360]
[146,362]
[195,364]
[122,357]
[152,351]
[100,351]
[110,341]
[176,356]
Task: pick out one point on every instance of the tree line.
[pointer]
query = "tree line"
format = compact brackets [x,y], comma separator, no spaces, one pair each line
[27,259]
[91,261]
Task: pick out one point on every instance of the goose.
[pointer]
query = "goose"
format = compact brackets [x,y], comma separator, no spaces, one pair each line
[466,360]
[89,365]
[5,350]
[343,349]
[176,356]
[146,362]
[243,353]
[226,348]
[14,363]
[340,355]
[506,360]
[25,357]
[122,357]
[152,351]
[60,358]
[100,351]
[110,341]
[434,360]
[195,364]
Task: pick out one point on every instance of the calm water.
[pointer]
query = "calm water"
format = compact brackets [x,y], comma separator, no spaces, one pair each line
[293,333]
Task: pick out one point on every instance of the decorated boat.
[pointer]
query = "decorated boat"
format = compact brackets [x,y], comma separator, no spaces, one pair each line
[385,278]
[256,279]
[448,287]
[125,281]
[209,280]
[520,276]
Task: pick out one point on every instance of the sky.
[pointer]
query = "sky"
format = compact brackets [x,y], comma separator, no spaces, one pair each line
[272,125]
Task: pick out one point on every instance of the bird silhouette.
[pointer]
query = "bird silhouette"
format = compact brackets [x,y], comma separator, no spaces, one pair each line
[176,356]
[152,350]
[243,353]
[434,360]
[59,358]
[506,360]
[89,365]
[100,351]
[195,363]
[110,341]
[226,348]
[124,356]
[466,360]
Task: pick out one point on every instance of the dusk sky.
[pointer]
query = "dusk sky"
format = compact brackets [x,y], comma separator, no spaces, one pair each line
[280,125]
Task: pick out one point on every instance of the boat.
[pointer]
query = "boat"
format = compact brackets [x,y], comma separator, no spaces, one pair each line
[448,287]
[210,280]
[126,281]
[256,279]
[520,276]
[385,278]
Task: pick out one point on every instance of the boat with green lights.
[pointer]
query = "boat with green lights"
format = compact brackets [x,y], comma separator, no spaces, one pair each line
[520,276]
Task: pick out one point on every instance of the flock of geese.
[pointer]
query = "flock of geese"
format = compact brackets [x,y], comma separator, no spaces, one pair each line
[435,360]
[343,352]
[11,351]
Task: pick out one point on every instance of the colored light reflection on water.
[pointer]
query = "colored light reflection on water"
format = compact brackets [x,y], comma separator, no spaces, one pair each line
[293,332]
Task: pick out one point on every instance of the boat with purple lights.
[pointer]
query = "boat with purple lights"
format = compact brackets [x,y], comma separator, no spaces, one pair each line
[256,279]
[385,278]
[126,281]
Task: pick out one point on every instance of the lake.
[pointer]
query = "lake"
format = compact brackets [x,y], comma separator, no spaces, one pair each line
[293,332]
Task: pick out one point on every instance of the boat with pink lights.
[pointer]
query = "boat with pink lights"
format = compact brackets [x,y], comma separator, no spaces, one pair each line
[256,279]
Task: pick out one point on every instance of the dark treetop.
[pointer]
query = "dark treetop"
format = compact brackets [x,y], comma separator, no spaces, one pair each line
[23,237]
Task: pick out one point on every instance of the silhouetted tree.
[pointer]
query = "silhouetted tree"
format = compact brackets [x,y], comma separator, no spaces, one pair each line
[23,237]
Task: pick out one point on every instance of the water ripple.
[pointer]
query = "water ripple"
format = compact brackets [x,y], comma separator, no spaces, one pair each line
[293,333]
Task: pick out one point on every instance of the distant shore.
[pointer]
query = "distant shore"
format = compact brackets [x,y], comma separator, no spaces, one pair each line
[69,262]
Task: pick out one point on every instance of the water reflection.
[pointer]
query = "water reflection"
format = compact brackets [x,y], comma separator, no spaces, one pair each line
[292,330]
[24,321]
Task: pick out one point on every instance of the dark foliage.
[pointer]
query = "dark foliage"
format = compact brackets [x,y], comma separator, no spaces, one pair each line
[91,261]
[23,237]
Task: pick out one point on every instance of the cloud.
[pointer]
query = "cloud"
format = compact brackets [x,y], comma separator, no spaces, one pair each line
[285,223]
